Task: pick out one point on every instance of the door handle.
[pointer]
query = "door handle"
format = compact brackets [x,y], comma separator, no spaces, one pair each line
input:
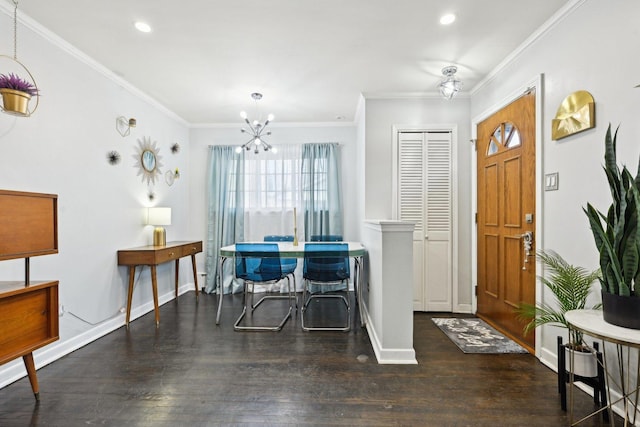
[527,243]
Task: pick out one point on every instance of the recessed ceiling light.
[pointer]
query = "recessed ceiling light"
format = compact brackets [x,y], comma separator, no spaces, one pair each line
[447,19]
[143,27]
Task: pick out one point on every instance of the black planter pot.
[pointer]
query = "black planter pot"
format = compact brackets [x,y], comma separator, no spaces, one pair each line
[621,311]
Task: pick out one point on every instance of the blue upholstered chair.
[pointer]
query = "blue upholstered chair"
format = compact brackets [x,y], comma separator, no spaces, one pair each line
[326,264]
[260,263]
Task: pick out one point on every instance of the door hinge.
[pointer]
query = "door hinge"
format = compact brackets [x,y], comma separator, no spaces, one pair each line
[475,290]
[476,217]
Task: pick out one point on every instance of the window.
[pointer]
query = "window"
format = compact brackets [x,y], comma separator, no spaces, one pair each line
[315,179]
[272,180]
[505,135]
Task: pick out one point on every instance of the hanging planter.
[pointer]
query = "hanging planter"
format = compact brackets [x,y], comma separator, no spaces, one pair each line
[18,89]
[16,94]
[15,101]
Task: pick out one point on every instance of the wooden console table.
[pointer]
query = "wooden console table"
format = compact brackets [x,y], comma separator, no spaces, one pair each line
[152,256]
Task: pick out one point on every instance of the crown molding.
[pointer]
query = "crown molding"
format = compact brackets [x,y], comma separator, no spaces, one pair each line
[551,23]
[46,34]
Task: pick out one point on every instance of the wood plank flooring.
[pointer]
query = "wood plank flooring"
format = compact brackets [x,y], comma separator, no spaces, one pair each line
[190,372]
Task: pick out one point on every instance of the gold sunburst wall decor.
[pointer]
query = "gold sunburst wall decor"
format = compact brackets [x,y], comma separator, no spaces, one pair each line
[148,160]
[577,113]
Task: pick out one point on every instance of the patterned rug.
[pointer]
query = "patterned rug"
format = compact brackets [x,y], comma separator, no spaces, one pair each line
[474,335]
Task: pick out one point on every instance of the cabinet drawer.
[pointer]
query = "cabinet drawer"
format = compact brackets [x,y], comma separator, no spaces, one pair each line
[191,248]
[168,254]
[28,320]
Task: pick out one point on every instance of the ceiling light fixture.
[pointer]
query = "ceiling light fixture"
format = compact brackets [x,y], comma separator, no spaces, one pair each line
[450,85]
[447,19]
[255,130]
[143,27]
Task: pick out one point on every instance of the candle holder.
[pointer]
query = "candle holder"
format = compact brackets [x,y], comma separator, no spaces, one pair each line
[295,227]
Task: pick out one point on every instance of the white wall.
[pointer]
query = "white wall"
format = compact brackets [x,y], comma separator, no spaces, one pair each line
[381,116]
[62,149]
[590,49]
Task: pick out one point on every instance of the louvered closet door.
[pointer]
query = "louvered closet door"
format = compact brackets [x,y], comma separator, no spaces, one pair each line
[425,198]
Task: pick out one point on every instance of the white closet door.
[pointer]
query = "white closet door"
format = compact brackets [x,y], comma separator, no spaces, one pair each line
[411,183]
[425,198]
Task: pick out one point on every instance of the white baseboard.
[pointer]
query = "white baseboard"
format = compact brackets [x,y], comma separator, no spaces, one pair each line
[463,308]
[15,370]
[387,356]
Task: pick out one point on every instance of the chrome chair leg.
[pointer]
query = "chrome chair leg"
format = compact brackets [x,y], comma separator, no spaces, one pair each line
[253,306]
[306,301]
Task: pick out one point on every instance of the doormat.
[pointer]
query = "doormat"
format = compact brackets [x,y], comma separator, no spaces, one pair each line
[473,335]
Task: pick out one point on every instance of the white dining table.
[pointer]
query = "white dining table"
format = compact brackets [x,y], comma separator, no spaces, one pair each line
[290,250]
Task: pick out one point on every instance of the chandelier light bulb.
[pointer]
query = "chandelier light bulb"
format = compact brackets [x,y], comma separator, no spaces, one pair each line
[270,117]
[243,114]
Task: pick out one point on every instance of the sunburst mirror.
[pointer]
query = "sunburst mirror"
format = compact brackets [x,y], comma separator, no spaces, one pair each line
[148,160]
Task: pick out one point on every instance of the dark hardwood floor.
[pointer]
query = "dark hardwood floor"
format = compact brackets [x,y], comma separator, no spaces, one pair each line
[190,372]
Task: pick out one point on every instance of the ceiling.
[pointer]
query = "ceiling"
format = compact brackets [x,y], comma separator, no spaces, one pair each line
[310,59]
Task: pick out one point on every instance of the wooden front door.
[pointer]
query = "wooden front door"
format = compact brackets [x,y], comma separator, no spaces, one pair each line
[506,212]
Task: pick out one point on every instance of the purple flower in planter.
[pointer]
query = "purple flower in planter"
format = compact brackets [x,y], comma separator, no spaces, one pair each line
[12,81]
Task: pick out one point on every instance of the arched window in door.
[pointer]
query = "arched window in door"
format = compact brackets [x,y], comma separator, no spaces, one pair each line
[505,136]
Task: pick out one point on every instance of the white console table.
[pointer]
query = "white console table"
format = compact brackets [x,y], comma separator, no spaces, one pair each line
[592,323]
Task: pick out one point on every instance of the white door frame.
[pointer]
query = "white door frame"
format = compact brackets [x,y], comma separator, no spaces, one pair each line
[443,127]
[537,84]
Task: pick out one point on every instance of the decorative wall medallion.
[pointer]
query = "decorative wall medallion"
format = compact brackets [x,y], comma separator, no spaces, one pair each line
[577,113]
[113,157]
[169,178]
[171,175]
[148,160]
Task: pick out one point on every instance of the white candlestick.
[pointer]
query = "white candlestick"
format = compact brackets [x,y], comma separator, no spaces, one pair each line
[295,224]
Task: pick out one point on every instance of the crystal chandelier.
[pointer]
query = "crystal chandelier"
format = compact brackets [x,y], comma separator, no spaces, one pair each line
[256,130]
[450,85]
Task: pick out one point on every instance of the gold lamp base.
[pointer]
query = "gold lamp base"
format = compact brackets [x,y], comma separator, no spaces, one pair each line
[159,236]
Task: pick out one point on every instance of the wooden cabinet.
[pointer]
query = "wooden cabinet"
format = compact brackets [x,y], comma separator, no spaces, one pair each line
[28,309]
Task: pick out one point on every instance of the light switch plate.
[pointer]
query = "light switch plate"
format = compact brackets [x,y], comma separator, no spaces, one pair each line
[551,181]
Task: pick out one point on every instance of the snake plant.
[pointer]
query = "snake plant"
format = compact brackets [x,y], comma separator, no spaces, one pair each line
[617,235]
[570,284]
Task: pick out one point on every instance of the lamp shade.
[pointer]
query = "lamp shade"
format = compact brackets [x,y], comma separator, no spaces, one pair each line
[159,216]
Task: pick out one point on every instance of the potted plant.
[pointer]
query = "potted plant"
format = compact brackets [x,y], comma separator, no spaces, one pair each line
[617,237]
[571,285]
[16,93]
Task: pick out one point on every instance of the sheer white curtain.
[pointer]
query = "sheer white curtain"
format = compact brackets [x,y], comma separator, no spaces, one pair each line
[271,192]
[272,183]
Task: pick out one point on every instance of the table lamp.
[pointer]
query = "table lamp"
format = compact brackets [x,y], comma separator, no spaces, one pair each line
[159,217]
